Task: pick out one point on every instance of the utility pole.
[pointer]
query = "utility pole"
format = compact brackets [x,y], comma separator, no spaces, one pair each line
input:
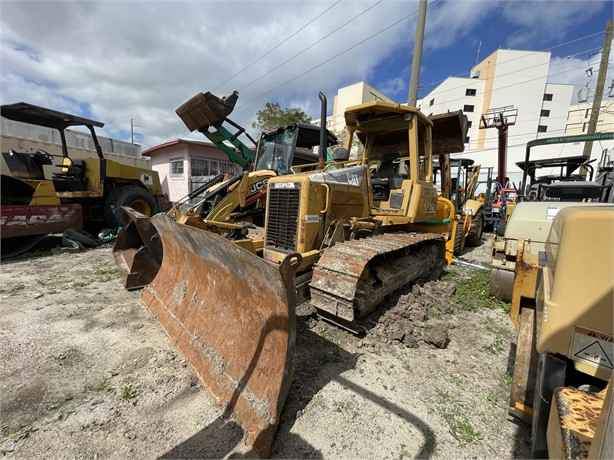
[132,130]
[412,94]
[603,70]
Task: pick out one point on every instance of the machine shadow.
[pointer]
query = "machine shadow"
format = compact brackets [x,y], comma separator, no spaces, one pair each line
[317,362]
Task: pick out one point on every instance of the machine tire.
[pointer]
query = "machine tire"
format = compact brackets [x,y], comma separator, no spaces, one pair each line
[132,196]
[474,237]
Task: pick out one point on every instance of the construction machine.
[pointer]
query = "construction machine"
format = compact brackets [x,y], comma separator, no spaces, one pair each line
[230,206]
[346,234]
[459,180]
[564,354]
[365,230]
[515,256]
[44,193]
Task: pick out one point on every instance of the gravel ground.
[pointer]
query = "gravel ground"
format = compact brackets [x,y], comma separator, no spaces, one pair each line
[87,373]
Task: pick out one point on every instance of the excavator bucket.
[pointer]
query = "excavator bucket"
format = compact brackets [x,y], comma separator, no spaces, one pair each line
[232,316]
[137,250]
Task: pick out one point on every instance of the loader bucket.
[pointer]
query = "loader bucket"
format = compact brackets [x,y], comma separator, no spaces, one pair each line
[137,249]
[232,316]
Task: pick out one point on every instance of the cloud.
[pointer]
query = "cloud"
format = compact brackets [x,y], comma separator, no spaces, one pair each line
[574,71]
[541,21]
[141,60]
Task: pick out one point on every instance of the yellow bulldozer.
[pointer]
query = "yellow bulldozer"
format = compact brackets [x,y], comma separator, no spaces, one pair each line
[345,234]
[564,355]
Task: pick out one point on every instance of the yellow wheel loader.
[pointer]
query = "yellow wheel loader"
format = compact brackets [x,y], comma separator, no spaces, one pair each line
[349,234]
[46,193]
[564,355]
[232,207]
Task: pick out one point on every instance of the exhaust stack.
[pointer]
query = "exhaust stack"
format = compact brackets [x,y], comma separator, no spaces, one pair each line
[323,136]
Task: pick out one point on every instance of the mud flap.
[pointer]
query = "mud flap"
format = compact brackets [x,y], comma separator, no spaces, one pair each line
[232,316]
[137,249]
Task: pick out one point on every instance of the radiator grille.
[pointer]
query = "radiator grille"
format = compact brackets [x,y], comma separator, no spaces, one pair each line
[282,220]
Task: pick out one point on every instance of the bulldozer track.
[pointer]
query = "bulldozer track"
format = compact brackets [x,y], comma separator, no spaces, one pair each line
[353,277]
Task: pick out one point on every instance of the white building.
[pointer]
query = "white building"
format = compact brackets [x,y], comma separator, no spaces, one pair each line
[506,78]
[355,94]
[579,115]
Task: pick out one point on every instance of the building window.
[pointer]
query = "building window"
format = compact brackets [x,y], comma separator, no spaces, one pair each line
[200,167]
[468,108]
[469,123]
[587,112]
[583,127]
[548,97]
[470,92]
[431,102]
[545,113]
[542,128]
[176,167]
[466,139]
[214,167]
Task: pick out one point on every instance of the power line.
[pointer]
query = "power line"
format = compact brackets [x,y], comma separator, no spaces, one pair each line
[584,37]
[335,56]
[518,70]
[349,21]
[268,52]
[512,85]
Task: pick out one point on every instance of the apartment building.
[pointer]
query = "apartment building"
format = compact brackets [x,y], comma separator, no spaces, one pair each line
[579,115]
[506,78]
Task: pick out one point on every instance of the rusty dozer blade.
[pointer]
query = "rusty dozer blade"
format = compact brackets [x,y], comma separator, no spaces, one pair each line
[232,316]
[137,249]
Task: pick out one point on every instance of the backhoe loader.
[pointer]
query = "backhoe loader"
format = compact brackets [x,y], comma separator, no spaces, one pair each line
[348,233]
[468,225]
[232,207]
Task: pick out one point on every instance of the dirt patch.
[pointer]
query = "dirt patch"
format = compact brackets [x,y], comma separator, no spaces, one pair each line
[88,372]
[417,317]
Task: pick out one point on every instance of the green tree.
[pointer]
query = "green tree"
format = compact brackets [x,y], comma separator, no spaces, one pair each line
[273,116]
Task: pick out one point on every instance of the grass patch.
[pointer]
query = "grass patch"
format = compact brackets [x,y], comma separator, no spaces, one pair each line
[507,379]
[473,294]
[128,392]
[459,425]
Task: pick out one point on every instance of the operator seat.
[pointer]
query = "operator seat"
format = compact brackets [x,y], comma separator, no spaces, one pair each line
[71,176]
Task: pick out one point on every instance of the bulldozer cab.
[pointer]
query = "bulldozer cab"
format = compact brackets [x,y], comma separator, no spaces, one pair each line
[398,155]
[67,174]
[289,146]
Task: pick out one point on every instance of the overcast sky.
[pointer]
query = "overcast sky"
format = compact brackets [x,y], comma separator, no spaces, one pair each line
[117,60]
